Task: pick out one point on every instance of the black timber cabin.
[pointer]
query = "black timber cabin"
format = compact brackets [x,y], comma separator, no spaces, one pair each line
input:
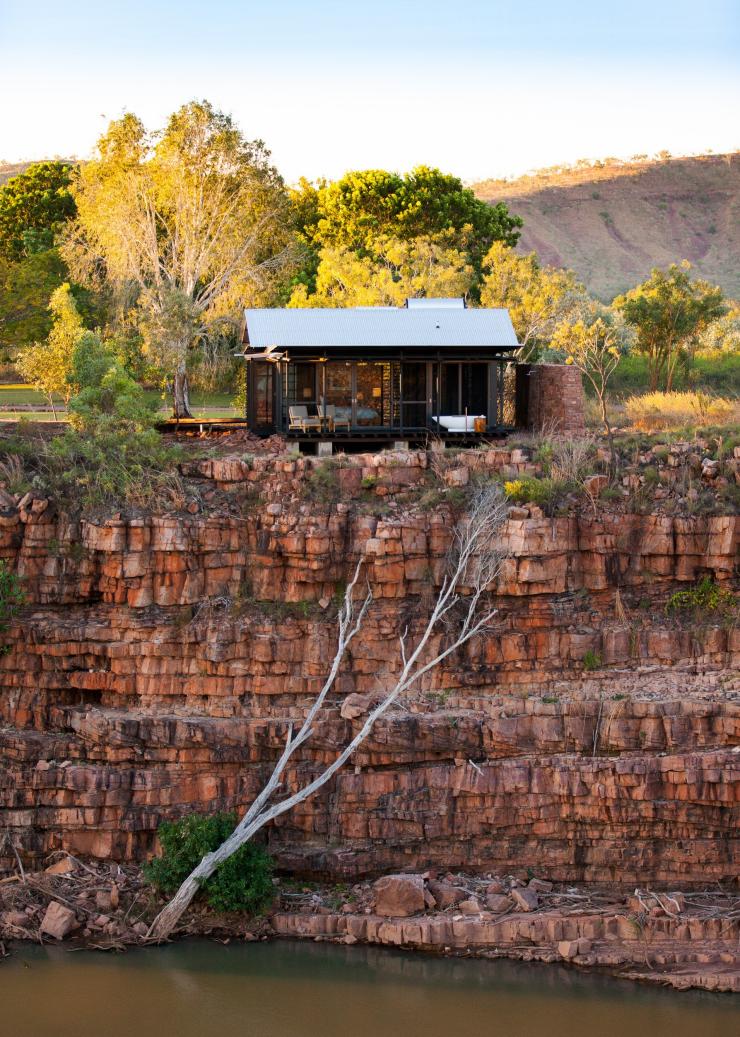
[375,375]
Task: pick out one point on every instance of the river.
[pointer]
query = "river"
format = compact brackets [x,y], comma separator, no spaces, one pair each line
[286,989]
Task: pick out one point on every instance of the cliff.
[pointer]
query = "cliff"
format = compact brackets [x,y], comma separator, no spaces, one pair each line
[613,221]
[159,659]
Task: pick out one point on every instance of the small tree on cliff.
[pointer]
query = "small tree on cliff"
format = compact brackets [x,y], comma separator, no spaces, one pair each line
[190,223]
[460,612]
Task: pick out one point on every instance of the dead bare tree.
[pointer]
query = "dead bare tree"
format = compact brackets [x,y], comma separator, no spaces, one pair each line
[473,563]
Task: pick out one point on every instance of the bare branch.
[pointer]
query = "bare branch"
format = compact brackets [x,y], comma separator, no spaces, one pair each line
[473,563]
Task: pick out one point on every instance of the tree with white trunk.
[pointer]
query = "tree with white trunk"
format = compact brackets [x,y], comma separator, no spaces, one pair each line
[183,227]
[461,611]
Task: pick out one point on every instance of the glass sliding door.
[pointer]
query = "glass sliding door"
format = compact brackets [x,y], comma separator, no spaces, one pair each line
[261,414]
[301,384]
[464,389]
[370,395]
[414,394]
[338,389]
[474,388]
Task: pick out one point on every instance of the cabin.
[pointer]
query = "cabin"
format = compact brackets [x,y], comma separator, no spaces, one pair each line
[433,368]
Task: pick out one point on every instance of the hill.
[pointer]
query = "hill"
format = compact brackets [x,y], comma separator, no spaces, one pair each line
[611,222]
[11,169]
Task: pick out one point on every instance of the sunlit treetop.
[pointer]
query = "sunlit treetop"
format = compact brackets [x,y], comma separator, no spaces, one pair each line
[33,206]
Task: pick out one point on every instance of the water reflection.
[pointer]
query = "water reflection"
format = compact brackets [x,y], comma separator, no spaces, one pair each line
[320,990]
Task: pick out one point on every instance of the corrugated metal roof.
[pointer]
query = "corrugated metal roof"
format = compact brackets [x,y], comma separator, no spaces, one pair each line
[379,326]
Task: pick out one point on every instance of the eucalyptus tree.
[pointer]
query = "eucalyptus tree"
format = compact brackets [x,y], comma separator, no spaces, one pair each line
[364,209]
[187,224]
[539,298]
[399,269]
[669,311]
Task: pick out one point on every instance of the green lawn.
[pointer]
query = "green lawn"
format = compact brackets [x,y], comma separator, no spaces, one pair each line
[10,398]
[203,405]
[31,415]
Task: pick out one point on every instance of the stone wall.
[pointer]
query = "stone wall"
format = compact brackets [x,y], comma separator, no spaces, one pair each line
[556,398]
[160,659]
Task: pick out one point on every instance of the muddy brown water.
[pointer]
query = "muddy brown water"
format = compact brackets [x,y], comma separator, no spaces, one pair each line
[287,989]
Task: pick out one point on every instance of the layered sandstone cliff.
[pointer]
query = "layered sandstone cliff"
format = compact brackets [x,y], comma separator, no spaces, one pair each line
[160,658]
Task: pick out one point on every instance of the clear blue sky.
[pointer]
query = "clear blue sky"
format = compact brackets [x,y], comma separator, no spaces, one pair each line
[478,88]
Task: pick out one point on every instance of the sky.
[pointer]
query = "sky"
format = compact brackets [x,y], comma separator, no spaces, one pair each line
[480,88]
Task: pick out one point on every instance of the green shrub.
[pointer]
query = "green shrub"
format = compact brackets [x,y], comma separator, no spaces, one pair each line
[591,660]
[111,467]
[543,455]
[107,397]
[546,493]
[706,598]
[650,475]
[241,883]
[12,599]
[110,456]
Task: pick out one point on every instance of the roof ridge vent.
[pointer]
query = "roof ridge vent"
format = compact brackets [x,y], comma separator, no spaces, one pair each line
[457,303]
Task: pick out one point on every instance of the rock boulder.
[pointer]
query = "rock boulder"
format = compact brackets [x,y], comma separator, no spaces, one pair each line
[59,921]
[399,895]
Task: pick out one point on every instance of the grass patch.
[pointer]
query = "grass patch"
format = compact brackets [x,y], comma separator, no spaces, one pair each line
[547,493]
[322,485]
[719,374]
[673,410]
[591,661]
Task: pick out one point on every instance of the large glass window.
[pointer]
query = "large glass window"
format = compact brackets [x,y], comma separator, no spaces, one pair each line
[301,385]
[464,388]
[414,394]
[264,393]
[370,393]
[339,389]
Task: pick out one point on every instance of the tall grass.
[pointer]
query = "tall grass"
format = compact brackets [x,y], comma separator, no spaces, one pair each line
[673,410]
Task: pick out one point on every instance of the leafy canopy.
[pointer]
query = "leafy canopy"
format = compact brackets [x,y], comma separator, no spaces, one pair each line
[369,204]
[107,398]
[47,365]
[721,338]
[188,224]
[242,883]
[538,298]
[25,287]
[33,206]
[366,209]
[398,270]
[668,311]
